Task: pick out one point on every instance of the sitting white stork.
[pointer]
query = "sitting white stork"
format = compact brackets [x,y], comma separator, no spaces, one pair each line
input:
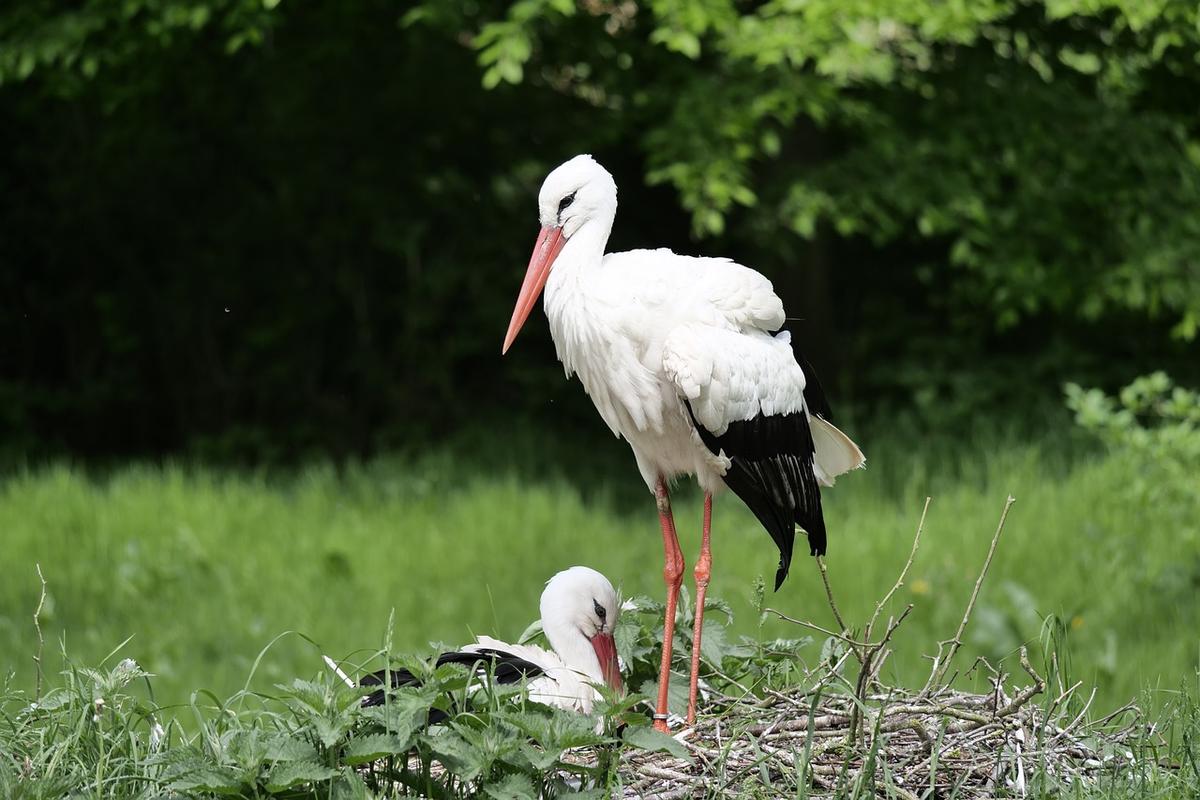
[685,358]
[579,614]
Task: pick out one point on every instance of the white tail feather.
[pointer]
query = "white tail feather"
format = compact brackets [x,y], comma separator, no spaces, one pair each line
[835,452]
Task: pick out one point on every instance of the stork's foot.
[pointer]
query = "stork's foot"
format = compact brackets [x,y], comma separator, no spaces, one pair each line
[672,722]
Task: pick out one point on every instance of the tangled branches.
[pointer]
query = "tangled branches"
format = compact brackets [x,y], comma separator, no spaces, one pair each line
[857,737]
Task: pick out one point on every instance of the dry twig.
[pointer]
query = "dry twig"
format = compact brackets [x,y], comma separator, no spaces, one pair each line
[37,624]
[942,663]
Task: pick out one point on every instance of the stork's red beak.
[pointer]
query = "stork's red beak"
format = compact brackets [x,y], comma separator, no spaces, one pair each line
[606,652]
[549,242]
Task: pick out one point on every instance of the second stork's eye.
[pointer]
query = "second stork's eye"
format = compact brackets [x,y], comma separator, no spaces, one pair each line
[600,612]
[566,201]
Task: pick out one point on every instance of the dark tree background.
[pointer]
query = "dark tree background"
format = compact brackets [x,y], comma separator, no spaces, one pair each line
[257,230]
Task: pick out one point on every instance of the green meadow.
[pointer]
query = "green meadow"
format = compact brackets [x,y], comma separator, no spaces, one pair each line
[198,569]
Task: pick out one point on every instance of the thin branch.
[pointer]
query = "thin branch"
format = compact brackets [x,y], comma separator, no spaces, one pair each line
[37,624]
[955,643]
[900,580]
[829,594]
[864,675]
[817,628]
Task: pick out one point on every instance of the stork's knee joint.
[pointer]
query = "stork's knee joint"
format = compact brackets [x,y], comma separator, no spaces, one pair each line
[662,500]
[673,572]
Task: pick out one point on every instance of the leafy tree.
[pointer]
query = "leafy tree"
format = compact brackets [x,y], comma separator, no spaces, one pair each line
[948,194]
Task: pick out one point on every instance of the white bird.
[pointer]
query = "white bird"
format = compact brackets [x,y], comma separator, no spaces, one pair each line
[579,614]
[684,358]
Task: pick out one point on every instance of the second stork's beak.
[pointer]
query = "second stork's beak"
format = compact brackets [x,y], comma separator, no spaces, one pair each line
[549,242]
[606,652]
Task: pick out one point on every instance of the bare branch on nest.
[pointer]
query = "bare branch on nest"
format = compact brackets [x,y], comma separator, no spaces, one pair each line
[941,663]
[900,580]
[37,624]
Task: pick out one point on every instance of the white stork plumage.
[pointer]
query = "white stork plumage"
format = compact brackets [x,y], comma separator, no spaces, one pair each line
[684,358]
[579,614]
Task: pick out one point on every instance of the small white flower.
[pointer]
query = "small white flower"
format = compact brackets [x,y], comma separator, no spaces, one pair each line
[98,706]
[156,735]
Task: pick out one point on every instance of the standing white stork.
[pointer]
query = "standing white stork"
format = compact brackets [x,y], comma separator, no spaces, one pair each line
[684,357]
[579,614]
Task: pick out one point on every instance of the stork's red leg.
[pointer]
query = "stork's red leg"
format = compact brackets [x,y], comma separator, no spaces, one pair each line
[673,575]
[703,571]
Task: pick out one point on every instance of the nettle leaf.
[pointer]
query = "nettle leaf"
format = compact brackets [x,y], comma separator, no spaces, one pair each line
[538,758]
[677,692]
[627,636]
[330,731]
[282,747]
[497,742]
[308,693]
[463,759]
[248,750]
[405,711]
[512,787]
[350,786]
[295,773]
[714,644]
[558,730]
[217,780]
[652,741]
[365,749]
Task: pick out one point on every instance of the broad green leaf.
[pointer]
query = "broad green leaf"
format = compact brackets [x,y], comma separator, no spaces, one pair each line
[282,747]
[364,749]
[647,738]
[217,780]
[294,773]
[512,787]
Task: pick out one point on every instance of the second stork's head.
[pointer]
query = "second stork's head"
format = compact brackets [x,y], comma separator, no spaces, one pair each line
[579,615]
[577,202]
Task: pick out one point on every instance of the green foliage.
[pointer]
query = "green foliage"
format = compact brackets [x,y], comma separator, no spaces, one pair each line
[69,46]
[1152,421]
[1153,426]
[1034,144]
[265,230]
[124,550]
[93,733]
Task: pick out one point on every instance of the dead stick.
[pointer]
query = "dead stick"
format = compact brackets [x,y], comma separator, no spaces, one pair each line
[956,642]
[37,624]
[817,628]
[837,615]
[900,580]
[864,675]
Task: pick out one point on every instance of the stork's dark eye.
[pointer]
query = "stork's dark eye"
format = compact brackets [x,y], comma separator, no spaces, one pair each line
[566,201]
[600,612]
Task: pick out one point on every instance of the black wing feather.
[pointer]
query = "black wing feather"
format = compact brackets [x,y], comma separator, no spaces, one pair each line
[814,393]
[772,473]
[506,668]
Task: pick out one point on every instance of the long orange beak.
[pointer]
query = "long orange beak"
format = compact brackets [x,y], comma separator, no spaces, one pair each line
[606,651]
[549,242]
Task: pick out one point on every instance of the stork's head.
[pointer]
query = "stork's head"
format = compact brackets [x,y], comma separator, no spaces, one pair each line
[573,195]
[580,602]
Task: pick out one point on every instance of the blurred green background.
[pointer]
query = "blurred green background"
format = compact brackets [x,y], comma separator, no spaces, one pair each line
[257,258]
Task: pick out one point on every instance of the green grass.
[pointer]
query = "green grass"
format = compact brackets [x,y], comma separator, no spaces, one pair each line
[204,567]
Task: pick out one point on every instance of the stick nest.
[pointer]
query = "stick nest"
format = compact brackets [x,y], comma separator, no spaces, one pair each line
[833,735]
[890,743]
